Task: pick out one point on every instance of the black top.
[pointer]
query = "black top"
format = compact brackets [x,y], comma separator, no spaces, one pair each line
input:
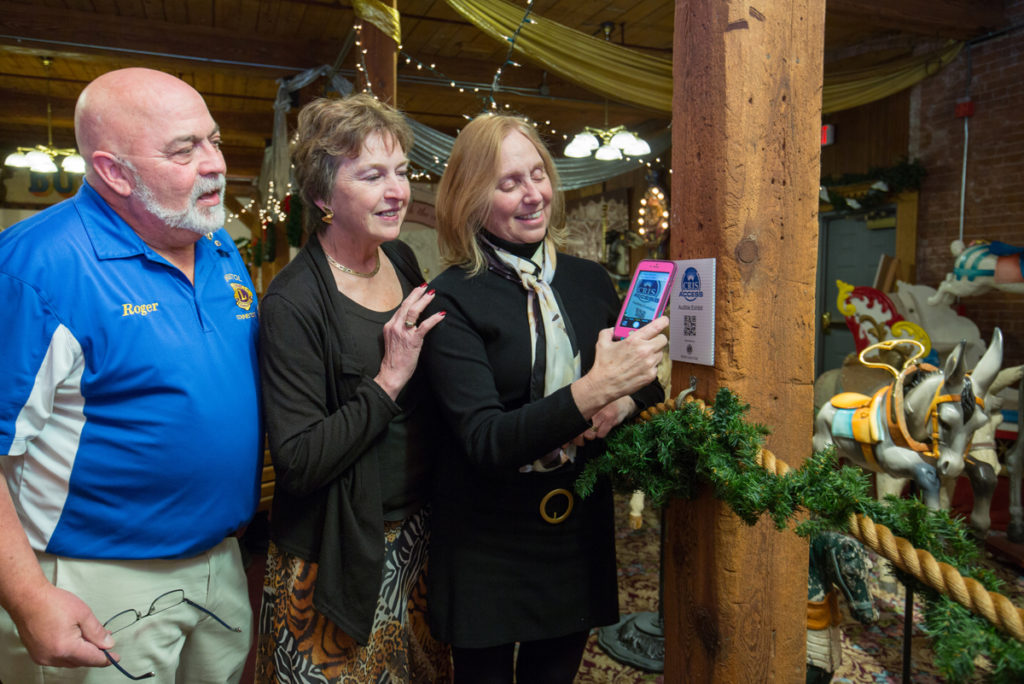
[325,416]
[404,469]
[498,571]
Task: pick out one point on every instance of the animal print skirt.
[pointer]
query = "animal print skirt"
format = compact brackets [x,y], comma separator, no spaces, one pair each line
[299,645]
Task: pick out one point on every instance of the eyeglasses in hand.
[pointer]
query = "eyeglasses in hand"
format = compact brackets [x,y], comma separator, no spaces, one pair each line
[165,601]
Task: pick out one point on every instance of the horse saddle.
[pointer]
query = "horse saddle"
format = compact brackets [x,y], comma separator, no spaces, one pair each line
[860,417]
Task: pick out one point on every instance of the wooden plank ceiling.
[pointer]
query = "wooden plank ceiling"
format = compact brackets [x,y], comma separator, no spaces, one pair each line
[234,51]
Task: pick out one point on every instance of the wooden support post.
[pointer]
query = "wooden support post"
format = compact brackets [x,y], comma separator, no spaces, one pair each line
[745,159]
[381,60]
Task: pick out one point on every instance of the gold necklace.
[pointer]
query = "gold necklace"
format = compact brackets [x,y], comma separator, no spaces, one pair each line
[346,269]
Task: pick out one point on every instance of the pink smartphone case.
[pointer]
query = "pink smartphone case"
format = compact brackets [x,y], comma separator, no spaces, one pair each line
[647,295]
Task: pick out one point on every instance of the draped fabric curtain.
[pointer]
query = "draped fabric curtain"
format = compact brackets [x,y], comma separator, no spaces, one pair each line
[384,17]
[276,167]
[598,65]
[637,78]
[853,87]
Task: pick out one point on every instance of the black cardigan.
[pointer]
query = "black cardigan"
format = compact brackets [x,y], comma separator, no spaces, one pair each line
[323,414]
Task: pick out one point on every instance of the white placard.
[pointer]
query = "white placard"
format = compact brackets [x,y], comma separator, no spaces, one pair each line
[692,312]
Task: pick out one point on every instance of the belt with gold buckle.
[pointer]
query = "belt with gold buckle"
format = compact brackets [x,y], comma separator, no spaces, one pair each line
[556,518]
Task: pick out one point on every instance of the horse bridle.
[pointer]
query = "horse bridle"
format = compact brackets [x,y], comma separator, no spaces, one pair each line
[897,416]
[894,408]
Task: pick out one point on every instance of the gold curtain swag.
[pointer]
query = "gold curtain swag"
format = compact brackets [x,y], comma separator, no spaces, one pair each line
[382,16]
[592,63]
[854,87]
[636,78]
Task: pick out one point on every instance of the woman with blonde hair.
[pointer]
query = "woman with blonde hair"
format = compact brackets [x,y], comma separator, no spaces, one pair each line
[528,381]
[340,337]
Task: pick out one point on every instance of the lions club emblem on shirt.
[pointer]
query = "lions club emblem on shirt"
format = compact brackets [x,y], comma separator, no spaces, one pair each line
[243,296]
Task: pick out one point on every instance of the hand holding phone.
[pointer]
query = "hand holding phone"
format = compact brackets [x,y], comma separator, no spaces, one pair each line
[647,296]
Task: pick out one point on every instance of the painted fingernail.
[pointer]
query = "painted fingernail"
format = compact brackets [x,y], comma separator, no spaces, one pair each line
[423,284]
[431,292]
[444,313]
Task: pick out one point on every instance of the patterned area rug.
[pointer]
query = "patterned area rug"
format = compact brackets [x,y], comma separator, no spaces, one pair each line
[638,559]
[872,654]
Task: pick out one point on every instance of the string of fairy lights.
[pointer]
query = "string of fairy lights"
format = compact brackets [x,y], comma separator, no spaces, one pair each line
[273,211]
[489,101]
[496,81]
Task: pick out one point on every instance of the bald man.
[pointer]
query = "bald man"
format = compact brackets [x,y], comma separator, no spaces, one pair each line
[129,406]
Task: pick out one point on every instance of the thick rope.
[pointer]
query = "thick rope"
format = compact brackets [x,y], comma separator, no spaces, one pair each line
[942,577]
[922,565]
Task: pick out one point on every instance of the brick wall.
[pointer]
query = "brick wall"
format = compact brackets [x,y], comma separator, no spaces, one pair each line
[993,74]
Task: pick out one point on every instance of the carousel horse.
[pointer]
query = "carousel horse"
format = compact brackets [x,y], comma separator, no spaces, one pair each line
[945,328]
[871,317]
[979,268]
[838,564]
[982,464]
[918,426]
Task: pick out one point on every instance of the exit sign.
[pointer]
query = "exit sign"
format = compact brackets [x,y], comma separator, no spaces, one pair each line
[828,134]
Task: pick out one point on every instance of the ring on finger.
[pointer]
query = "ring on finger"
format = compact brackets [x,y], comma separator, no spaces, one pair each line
[410,324]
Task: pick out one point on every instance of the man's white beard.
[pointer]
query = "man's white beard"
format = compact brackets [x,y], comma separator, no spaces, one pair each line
[202,220]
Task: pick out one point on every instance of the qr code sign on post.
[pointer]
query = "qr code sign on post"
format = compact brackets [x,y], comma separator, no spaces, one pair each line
[689,326]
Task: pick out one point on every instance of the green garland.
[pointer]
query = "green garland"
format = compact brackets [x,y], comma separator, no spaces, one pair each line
[670,454]
[886,182]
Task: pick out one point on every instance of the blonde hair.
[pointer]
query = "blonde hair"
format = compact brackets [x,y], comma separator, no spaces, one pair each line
[330,129]
[465,194]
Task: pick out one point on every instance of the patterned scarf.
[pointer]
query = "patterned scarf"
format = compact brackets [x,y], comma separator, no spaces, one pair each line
[555,360]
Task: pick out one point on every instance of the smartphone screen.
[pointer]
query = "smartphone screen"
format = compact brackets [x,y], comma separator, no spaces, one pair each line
[647,296]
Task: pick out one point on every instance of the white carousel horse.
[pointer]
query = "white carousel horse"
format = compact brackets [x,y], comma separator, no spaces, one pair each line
[918,426]
[981,267]
[945,328]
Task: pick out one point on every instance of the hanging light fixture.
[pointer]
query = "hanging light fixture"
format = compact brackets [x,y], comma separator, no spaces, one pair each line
[40,159]
[607,144]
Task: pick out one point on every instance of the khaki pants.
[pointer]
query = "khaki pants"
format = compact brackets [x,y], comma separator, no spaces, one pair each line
[182,644]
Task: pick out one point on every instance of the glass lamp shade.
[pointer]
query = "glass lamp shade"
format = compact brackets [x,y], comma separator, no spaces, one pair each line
[637,148]
[576,150]
[608,153]
[622,140]
[73,163]
[40,162]
[16,159]
[582,145]
[630,144]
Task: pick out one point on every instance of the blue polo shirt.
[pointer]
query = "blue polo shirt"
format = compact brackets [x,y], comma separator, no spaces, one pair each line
[129,398]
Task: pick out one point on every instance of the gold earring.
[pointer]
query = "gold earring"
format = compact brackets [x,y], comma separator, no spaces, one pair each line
[328,215]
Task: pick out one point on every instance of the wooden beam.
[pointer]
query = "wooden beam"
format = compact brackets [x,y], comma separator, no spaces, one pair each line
[94,31]
[746,114]
[381,59]
[960,19]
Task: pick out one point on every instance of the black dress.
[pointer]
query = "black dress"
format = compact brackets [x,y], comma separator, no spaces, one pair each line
[499,572]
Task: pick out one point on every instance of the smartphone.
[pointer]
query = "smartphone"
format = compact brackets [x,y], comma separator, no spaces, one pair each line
[647,296]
